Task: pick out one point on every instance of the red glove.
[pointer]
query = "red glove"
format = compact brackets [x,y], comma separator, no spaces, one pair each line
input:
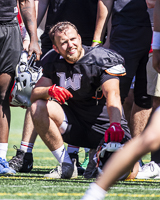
[115,132]
[59,93]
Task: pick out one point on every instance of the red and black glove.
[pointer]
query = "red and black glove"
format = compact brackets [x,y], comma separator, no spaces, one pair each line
[59,93]
[114,132]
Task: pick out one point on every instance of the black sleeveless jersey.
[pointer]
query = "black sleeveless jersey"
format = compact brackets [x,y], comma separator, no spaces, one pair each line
[82,13]
[8,10]
[130,12]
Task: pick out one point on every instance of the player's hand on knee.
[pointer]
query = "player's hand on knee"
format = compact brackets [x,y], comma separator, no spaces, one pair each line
[59,93]
[115,133]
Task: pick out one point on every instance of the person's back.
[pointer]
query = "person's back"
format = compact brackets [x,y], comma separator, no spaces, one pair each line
[130,20]
[130,12]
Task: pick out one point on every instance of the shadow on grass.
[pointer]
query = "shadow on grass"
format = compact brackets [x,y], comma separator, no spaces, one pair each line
[40,171]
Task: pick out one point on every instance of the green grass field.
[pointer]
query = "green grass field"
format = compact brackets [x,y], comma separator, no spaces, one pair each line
[34,186]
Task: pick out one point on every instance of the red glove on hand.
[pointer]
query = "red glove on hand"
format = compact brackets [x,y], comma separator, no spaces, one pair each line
[115,132]
[59,93]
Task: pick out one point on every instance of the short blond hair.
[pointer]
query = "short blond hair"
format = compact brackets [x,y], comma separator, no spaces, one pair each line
[60,27]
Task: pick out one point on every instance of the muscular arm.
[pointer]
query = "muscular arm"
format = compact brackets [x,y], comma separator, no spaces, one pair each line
[40,91]
[41,8]
[27,9]
[109,26]
[110,90]
[103,14]
[156,53]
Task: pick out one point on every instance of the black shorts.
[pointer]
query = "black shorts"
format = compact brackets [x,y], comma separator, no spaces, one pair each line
[83,134]
[10,46]
[133,43]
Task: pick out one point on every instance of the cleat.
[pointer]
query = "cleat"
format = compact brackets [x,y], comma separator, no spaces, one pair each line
[86,161]
[91,170]
[5,169]
[64,171]
[22,162]
[80,169]
[149,170]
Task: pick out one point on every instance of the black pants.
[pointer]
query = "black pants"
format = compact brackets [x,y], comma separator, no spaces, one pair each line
[133,43]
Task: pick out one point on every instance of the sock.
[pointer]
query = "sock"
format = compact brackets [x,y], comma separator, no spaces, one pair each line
[26,147]
[3,150]
[94,193]
[72,149]
[62,155]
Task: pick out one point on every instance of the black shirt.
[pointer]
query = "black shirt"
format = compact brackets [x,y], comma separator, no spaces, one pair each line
[8,10]
[130,12]
[82,79]
[81,13]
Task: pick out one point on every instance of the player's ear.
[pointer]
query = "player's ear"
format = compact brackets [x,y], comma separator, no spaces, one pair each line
[55,48]
[79,37]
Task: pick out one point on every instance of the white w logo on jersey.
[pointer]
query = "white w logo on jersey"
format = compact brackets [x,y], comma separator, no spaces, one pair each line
[74,83]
